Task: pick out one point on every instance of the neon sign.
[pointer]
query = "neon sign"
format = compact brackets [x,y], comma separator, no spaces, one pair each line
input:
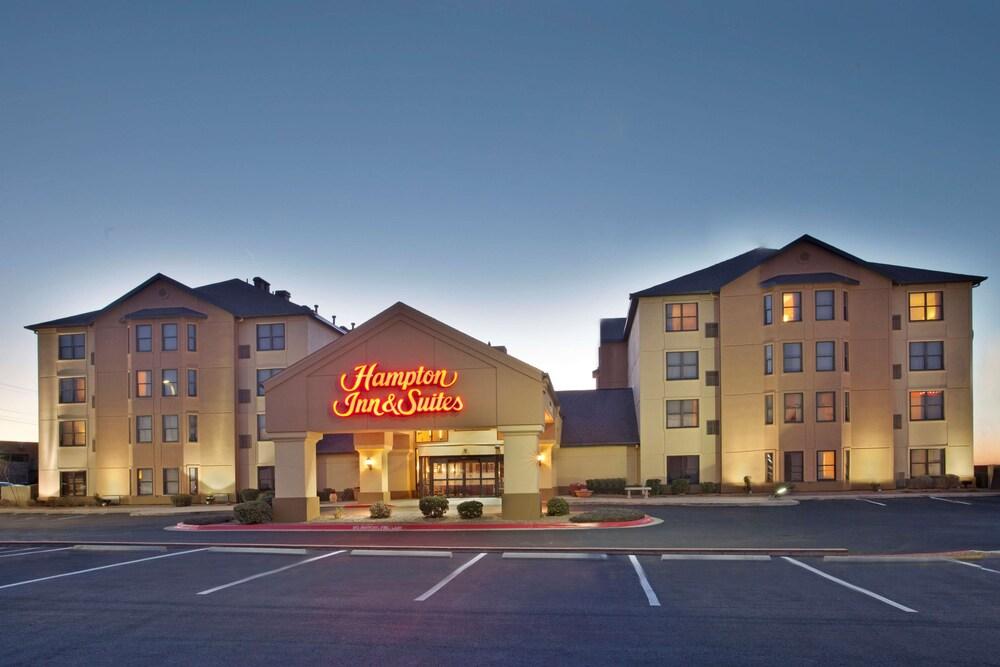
[415,392]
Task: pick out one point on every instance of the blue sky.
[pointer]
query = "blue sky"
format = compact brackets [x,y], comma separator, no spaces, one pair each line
[514,169]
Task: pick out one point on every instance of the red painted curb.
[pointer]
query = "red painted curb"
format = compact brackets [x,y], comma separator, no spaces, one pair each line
[400,527]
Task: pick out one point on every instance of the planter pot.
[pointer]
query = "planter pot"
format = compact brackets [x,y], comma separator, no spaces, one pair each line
[583,493]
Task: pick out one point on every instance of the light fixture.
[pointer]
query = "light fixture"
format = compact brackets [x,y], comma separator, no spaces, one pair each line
[369,463]
[540,458]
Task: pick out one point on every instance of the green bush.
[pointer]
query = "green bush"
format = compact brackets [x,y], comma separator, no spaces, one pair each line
[920,482]
[181,500]
[248,495]
[266,497]
[207,519]
[654,486]
[614,485]
[680,486]
[607,514]
[379,510]
[470,509]
[952,481]
[557,507]
[433,507]
[709,487]
[254,511]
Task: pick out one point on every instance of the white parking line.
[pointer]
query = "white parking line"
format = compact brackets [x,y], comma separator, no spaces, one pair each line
[858,589]
[644,582]
[23,550]
[986,569]
[67,518]
[444,582]
[873,502]
[948,500]
[95,569]
[270,572]
[32,551]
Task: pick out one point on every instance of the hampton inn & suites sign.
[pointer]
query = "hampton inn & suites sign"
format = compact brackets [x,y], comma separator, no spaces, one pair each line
[403,393]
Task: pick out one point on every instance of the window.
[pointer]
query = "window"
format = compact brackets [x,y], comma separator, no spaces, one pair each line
[683,467]
[824,304]
[927,356]
[682,365]
[171,428]
[826,356]
[826,406]
[192,481]
[73,483]
[768,467]
[265,478]
[926,306]
[712,427]
[768,408]
[791,307]
[192,428]
[826,465]
[270,336]
[769,359]
[793,408]
[926,405]
[791,357]
[171,481]
[192,338]
[73,433]
[192,383]
[847,407]
[845,305]
[144,428]
[682,413]
[144,338]
[261,427]
[793,466]
[264,374]
[928,461]
[682,316]
[847,357]
[168,337]
[847,465]
[144,481]
[440,435]
[72,390]
[143,384]
[711,378]
[72,346]
[168,385]
[768,309]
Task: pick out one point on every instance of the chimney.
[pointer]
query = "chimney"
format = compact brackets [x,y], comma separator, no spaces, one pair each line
[283,294]
[352,326]
[262,284]
[333,320]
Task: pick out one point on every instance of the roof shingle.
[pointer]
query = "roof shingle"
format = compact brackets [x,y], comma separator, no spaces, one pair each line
[594,417]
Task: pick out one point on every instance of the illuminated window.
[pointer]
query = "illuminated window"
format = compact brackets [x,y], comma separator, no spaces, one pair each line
[192,338]
[682,413]
[168,337]
[439,435]
[826,356]
[928,461]
[826,465]
[927,356]
[270,336]
[73,483]
[768,359]
[682,316]
[264,374]
[768,467]
[168,382]
[144,428]
[768,309]
[793,467]
[171,428]
[926,405]
[73,433]
[72,390]
[72,346]
[793,408]
[682,365]
[791,357]
[826,406]
[192,383]
[824,304]
[144,338]
[171,481]
[192,428]
[192,481]
[143,384]
[144,481]
[791,307]
[768,408]
[926,306]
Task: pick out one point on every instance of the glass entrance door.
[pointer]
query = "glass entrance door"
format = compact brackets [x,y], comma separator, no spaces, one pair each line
[460,476]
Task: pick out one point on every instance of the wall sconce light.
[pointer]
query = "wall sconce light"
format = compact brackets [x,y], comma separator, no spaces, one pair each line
[369,463]
[540,458]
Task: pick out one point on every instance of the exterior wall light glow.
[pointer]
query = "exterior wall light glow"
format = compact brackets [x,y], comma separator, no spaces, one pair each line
[369,463]
[540,458]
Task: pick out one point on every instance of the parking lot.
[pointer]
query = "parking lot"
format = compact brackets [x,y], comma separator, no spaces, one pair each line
[177,605]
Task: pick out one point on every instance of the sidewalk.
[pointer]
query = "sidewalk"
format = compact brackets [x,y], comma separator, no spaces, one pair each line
[765,500]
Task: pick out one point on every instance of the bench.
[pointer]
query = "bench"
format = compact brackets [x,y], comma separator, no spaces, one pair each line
[213,498]
[104,501]
[642,489]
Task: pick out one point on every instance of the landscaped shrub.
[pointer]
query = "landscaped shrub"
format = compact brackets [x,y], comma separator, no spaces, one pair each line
[254,511]
[952,481]
[920,482]
[324,495]
[379,510]
[747,486]
[654,486]
[181,500]
[433,507]
[470,509]
[709,487]
[557,507]
[346,494]
[679,486]
[207,519]
[608,485]
[607,514]
[266,497]
[247,495]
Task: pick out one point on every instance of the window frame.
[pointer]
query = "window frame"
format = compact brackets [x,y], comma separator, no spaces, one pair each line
[847,407]
[785,357]
[826,471]
[685,461]
[165,383]
[271,336]
[192,427]
[192,383]
[789,467]
[192,475]
[171,487]
[261,478]
[682,318]
[924,306]
[192,337]
[769,409]
[795,307]
[77,437]
[831,409]
[77,349]
[927,462]
[139,429]
[683,366]
[140,340]
[768,309]
[832,306]
[832,356]
[271,372]
[769,359]
[801,408]
[923,405]
[138,384]
[74,479]
[262,427]
[141,482]
[165,337]
[687,408]
[925,355]
[76,394]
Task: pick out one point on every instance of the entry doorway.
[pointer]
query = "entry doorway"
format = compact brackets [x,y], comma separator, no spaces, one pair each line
[460,476]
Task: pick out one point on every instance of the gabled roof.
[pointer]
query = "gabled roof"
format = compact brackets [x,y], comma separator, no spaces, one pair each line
[905,275]
[593,417]
[161,313]
[807,279]
[711,279]
[612,329]
[234,296]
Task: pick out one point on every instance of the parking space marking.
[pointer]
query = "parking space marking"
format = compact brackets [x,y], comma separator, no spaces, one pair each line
[756,557]
[444,582]
[845,584]
[258,550]
[949,500]
[985,569]
[22,550]
[95,569]
[67,518]
[401,552]
[873,502]
[644,582]
[269,572]
[119,547]
[32,551]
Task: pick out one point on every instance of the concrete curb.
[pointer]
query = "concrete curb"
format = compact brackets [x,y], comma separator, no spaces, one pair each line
[405,553]
[553,555]
[733,557]
[371,527]
[258,550]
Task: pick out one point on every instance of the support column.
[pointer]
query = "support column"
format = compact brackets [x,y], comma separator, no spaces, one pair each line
[521,496]
[373,465]
[400,461]
[295,496]
[547,471]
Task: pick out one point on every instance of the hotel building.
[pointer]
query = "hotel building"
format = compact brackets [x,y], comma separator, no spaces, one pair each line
[802,364]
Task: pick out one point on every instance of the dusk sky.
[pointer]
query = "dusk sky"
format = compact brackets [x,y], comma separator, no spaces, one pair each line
[513,169]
